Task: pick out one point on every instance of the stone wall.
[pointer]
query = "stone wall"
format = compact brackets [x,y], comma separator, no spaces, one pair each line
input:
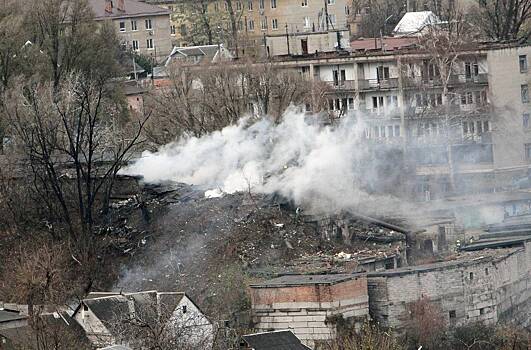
[489,286]
[309,310]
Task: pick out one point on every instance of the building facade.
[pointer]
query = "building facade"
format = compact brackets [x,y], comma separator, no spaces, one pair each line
[488,287]
[467,134]
[256,18]
[310,305]
[141,27]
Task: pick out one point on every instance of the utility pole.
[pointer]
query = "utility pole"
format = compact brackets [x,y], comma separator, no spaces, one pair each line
[287,39]
[326,14]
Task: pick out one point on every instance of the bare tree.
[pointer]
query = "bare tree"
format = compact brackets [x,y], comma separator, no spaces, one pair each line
[201,99]
[504,19]
[65,133]
[154,326]
[444,47]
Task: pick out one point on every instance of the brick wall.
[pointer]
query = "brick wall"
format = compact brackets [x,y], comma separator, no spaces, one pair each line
[305,308]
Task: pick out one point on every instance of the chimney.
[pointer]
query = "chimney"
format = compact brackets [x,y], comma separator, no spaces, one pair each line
[108,6]
[121,5]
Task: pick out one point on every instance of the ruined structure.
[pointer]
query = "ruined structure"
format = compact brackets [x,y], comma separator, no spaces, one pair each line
[310,305]
[488,286]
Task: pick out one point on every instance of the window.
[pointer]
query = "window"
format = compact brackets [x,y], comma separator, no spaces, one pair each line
[471,276]
[172,29]
[452,314]
[261,4]
[482,311]
[184,309]
[347,10]
[134,25]
[263,24]
[304,3]
[522,59]
[382,73]
[239,6]
[307,22]
[330,2]
[524,90]
[250,5]
[525,120]
[527,151]
[471,69]
[240,25]
[135,45]
[149,24]
[466,98]
[377,102]
[486,271]
[273,4]
[339,76]
[216,7]
[251,24]
[149,43]
[183,30]
[122,26]
[351,103]
[274,23]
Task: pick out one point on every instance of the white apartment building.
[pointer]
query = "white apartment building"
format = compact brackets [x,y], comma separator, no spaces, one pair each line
[479,141]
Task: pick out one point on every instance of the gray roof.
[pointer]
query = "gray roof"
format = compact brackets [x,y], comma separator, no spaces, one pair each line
[9,315]
[204,52]
[110,307]
[279,340]
[133,8]
[298,280]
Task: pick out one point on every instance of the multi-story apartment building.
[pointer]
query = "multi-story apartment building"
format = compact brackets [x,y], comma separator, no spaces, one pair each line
[475,137]
[256,18]
[144,28]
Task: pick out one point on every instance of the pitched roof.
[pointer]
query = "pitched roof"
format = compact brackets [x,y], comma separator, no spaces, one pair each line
[200,53]
[413,22]
[133,8]
[278,340]
[298,280]
[109,309]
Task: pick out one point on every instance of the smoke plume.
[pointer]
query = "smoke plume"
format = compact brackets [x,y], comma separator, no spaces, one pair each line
[318,167]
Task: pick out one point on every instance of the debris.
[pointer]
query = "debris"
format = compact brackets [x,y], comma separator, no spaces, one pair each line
[288,244]
[215,193]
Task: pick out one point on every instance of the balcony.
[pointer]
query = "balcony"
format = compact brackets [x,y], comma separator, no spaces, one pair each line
[455,80]
[378,84]
[343,84]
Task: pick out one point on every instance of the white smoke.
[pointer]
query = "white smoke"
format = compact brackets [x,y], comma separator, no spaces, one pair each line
[316,166]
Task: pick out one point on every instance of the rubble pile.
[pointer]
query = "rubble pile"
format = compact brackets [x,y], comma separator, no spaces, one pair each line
[171,235]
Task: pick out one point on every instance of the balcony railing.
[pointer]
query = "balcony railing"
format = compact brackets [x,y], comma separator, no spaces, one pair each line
[377,84]
[343,84]
[454,80]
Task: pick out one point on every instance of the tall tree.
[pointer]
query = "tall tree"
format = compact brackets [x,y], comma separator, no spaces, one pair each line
[505,19]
